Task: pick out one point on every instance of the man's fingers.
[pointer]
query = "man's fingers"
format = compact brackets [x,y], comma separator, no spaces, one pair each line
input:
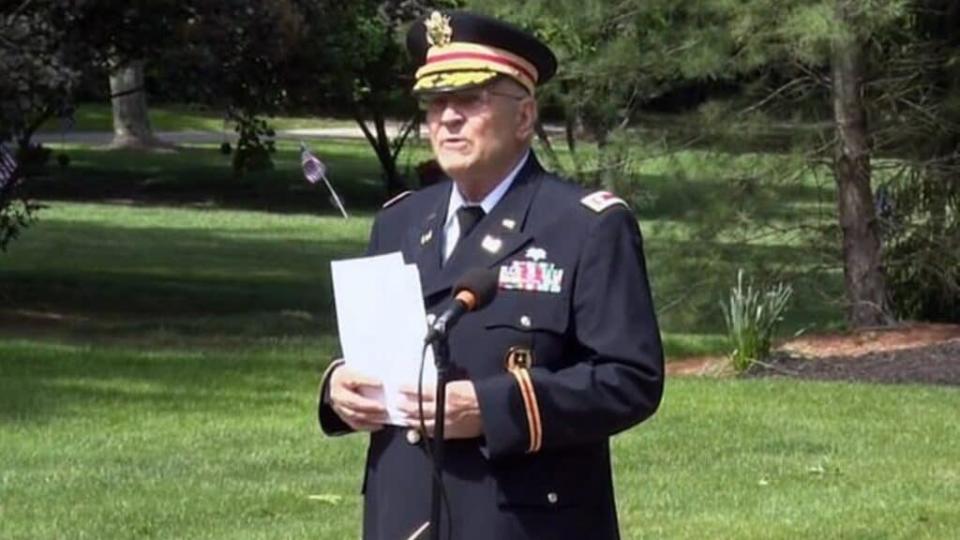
[412,389]
[412,409]
[410,392]
[359,403]
[348,378]
[427,422]
[351,415]
[355,380]
[364,426]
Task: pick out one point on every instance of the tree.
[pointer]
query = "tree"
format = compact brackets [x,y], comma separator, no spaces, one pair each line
[862,264]
[352,55]
[237,55]
[919,122]
[128,98]
[35,58]
[38,64]
[311,56]
[119,40]
[619,57]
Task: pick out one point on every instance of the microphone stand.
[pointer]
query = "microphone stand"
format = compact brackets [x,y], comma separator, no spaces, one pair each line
[441,358]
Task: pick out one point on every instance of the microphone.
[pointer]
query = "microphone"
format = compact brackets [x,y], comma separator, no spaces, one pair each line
[474,291]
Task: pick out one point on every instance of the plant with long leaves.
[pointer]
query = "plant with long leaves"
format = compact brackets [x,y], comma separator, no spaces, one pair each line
[752,316]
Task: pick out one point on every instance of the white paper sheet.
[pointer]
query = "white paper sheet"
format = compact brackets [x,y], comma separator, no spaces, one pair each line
[382,323]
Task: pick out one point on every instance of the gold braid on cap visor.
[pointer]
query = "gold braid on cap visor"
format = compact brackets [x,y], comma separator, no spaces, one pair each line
[461,64]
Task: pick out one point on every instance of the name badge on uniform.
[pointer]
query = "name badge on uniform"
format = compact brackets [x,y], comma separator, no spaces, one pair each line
[531,276]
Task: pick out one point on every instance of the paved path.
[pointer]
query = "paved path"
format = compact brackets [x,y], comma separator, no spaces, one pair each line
[185,137]
[212,137]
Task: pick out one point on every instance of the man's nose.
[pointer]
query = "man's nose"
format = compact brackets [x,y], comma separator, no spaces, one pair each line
[450,115]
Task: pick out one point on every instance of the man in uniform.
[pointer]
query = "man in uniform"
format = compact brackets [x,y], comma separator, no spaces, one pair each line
[566,355]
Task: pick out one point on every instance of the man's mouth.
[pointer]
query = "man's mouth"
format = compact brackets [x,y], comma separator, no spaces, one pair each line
[453,142]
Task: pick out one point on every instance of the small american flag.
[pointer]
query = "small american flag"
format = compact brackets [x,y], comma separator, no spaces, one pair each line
[8,166]
[313,169]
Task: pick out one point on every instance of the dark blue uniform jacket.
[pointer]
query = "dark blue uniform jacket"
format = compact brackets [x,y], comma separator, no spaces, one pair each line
[574,297]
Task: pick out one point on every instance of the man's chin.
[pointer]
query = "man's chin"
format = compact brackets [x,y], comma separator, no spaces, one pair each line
[454,166]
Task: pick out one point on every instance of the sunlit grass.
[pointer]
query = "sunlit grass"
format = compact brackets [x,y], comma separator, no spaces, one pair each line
[118,441]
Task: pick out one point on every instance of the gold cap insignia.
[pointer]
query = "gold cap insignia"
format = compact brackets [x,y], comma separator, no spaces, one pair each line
[439,32]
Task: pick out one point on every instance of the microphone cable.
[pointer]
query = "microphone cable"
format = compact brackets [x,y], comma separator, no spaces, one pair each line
[437,477]
[481,285]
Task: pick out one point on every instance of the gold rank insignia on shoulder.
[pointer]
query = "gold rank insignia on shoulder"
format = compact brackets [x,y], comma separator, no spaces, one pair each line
[599,201]
[518,358]
[439,31]
[396,199]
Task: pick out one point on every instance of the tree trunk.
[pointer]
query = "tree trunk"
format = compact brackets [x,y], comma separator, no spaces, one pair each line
[380,142]
[131,124]
[863,275]
[553,160]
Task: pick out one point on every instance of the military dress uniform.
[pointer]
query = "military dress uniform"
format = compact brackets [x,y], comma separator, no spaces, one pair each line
[567,354]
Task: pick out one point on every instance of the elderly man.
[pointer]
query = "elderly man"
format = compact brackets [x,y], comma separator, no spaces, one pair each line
[566,355]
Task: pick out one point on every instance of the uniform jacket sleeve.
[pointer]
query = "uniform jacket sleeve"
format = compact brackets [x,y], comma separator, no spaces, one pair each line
[330,422]
[614,380]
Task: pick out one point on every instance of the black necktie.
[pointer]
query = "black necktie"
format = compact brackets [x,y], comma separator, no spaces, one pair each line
[468,217]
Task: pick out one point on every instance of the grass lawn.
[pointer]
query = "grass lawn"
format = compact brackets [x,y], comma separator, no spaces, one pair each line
[157,375]
[139,441]
[164,325]
[678,200]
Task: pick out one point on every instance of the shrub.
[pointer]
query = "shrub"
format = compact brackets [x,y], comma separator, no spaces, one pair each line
[920,222]
[752,316]
[255,144]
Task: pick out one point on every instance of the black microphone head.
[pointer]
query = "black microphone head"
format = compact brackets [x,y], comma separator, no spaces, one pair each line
[481,282]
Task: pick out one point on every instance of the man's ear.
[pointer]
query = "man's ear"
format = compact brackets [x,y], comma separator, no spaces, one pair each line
[526,118]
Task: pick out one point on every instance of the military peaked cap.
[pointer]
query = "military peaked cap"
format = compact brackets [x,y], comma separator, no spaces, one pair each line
[457,50]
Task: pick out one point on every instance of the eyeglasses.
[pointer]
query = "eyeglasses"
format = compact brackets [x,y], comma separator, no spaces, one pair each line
[464,101]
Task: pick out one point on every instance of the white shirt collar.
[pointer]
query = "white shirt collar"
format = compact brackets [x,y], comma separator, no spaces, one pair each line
[492,198]
[451,228]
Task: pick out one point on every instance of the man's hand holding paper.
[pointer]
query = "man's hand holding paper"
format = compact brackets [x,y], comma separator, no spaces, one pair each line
[462,419]
[382,324]
[347,396]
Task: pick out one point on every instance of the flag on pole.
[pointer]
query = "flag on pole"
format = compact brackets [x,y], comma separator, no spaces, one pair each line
[314,171]
[8,166]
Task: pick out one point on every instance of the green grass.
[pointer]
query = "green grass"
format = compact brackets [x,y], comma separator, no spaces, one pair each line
[176,117]
[688,204]
[164,325]
[107,441]
[200,175]
[128,270]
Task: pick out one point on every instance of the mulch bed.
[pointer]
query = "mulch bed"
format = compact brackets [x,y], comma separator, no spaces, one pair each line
[934,364]
[917,353]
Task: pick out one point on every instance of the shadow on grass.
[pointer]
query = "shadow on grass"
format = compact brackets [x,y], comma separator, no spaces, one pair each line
[41,381]
[690,279]
[695,202]
[202,176]
[227,288]
[688,188]
[114,280]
